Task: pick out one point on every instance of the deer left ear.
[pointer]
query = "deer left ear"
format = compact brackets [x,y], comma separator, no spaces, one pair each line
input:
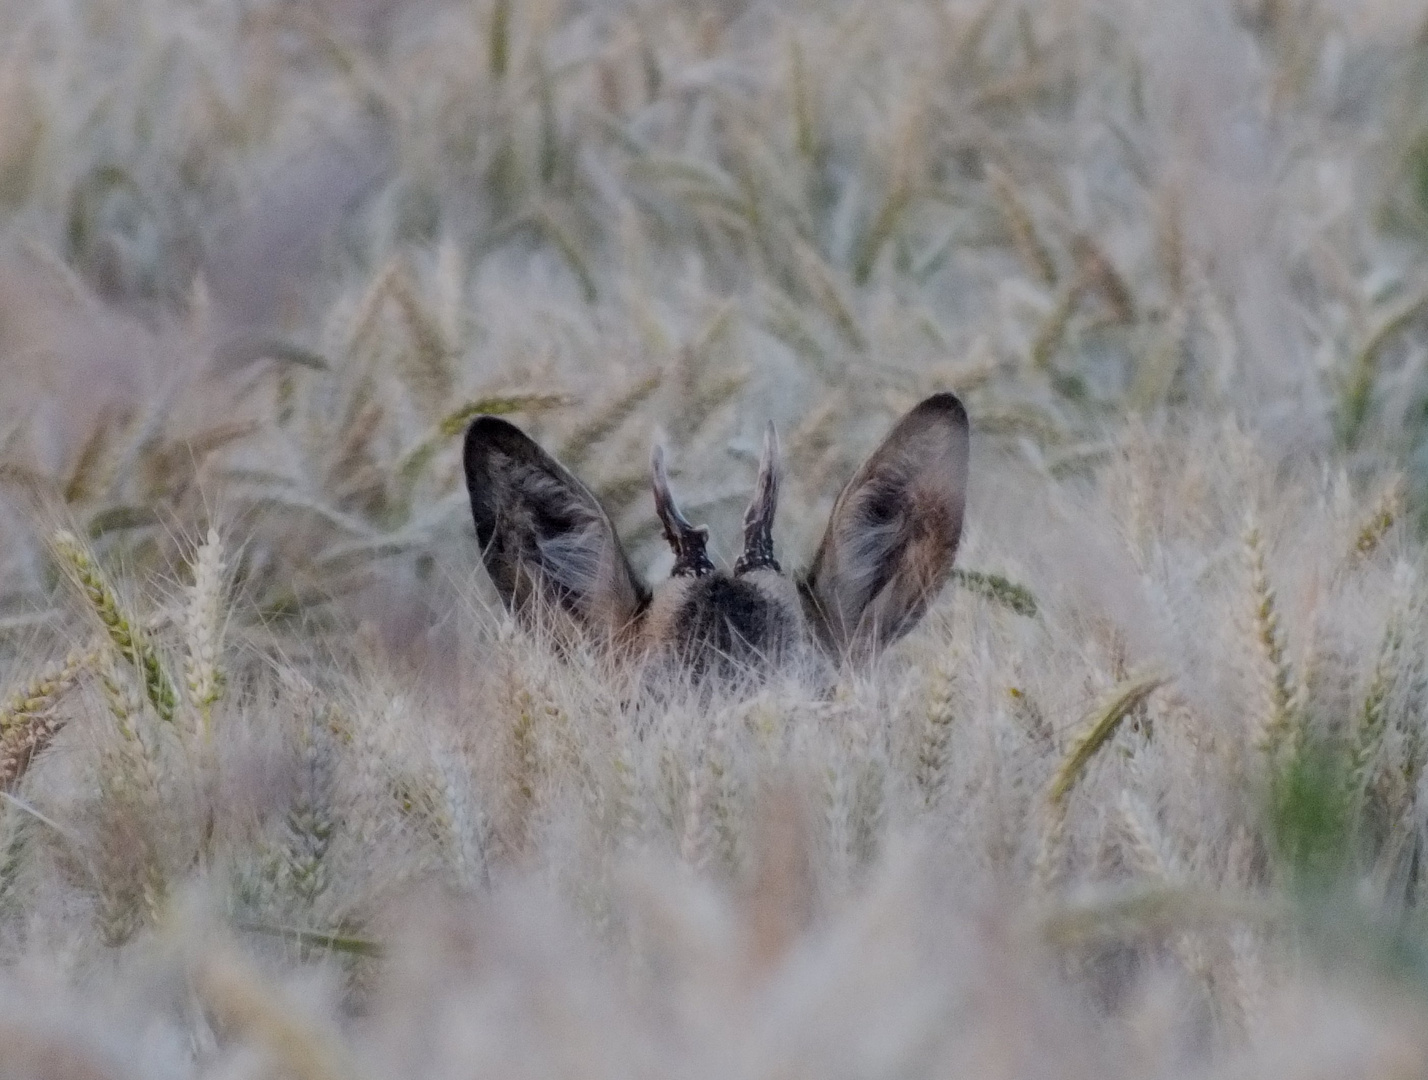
[545,539]
[893,533]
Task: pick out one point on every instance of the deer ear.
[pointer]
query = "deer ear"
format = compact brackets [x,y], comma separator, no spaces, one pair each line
[544,537]
[893,533]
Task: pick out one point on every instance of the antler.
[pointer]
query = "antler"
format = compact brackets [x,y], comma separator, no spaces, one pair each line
[691,559]
[759,517]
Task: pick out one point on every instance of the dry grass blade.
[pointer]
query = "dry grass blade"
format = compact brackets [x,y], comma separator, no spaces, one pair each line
[249,1006]
[317,940]
[1363,371]
[499,405]
[413,463]
[1132,913]
[1051,334]
[1099,729]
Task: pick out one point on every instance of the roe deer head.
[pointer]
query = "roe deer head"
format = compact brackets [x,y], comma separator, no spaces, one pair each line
[549,546]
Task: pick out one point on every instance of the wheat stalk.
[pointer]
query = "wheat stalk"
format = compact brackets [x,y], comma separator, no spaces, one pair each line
[1095,269]
[869,793]
[454,422]
[828,293]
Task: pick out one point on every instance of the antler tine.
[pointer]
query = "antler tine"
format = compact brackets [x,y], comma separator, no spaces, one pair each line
[759,517]
[690,542]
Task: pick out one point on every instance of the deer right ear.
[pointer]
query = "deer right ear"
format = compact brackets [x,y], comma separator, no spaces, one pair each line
[893,533]
[545,539]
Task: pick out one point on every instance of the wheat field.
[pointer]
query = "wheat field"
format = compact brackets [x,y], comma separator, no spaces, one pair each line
[287,794]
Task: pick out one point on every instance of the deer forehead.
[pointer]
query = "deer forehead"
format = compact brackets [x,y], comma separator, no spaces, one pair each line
[722,618]
[755,603]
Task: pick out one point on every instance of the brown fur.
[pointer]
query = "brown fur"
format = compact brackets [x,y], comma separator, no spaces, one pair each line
[888,549]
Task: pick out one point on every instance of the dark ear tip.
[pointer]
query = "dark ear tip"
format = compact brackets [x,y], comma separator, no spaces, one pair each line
[486,427]
[946,404]
[492,432]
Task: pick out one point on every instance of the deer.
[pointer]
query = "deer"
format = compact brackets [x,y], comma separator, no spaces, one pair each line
[553,554]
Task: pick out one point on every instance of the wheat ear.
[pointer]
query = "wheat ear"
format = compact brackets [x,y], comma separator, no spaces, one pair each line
[1369,732]
[932,753]
[123,631]
[1280,688]
[1386,510]
[28,721]
[203,629]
